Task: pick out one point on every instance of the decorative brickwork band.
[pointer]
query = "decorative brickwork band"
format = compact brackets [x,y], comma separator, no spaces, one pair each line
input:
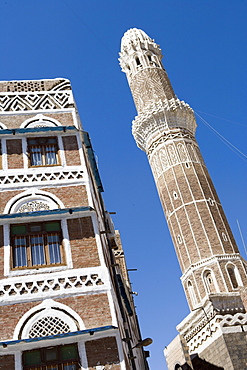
[34,286]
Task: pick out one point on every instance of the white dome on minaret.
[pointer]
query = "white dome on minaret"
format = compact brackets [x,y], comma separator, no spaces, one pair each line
[135,37]
[137,46]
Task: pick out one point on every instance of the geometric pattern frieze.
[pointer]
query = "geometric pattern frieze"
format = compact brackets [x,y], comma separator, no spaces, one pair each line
[202,333]
[25,102]
[170,136]
[36,286]
[165,158]
[40,177]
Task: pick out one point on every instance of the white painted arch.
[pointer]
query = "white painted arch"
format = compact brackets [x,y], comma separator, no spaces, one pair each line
[48,307]
[40,121]
[48,200]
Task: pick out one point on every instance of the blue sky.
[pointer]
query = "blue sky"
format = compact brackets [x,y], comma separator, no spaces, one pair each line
[204,48]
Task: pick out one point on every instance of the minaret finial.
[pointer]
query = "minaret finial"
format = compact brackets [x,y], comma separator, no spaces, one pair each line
[140,58]
[158,108]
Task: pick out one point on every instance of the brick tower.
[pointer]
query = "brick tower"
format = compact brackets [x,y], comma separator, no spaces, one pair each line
[65,296]
[213,272]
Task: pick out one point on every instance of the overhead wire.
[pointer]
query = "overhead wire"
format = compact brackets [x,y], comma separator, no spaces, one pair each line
[241,235]
[88,28]
[224,140]
[224,119]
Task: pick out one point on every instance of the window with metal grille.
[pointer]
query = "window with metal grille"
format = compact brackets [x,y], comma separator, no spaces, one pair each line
[52,358]
[36,244]
[43,151]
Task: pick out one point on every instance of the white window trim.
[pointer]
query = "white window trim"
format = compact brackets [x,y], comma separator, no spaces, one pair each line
[4,155]
[214,280]
[65,245]
[237,275]
[32,195]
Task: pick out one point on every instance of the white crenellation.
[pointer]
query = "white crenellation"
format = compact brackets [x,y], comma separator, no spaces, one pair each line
[56,84]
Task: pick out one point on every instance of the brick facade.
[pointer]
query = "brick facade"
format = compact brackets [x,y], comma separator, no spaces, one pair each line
[94,311]
[15,120]
[57,269]
[108,357]
[71,196]
[83,244]
[14,153]
[7,362]
[71,150]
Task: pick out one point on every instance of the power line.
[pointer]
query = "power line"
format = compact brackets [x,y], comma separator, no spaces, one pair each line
[224,119]
[224,140]
[89,29]
[242,238]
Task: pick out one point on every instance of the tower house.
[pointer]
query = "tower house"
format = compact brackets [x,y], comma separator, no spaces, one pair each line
[65,296]
[213,272]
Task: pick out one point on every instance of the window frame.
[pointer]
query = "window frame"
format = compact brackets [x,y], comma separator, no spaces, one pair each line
[59,362]
[42,143]
[28,245]
[1,155]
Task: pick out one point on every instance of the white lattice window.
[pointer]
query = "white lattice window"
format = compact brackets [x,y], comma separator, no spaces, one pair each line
[48,318]
[48,325]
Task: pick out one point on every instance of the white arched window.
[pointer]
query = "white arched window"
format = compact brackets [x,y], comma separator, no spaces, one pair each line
[48,318]
[210,282]
[40,121]
[192,294]
[33,200]
[234,275]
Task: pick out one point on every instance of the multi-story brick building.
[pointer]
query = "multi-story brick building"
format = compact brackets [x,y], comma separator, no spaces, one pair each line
[65,296]
[214,275]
